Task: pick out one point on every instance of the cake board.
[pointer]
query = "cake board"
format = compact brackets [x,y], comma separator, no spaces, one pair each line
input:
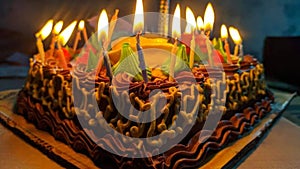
[64,155]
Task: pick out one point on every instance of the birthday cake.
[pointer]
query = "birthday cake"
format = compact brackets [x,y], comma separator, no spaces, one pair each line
[122,116]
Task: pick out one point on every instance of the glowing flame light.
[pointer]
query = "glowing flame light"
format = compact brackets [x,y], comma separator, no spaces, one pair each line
[65,35]
[224,32]
[191,22]
[138,23]
[209,17]
[176,30]
[200,23]
[81,25]
[235,35]
[57,27]
[46,30]
[103,26]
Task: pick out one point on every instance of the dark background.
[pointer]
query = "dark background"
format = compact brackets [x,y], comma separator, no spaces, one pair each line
[255,19]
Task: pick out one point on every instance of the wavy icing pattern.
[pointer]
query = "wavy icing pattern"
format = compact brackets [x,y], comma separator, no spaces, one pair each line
[48,94]
[188,156]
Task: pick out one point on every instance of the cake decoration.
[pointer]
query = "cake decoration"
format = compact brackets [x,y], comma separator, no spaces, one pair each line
[145,100]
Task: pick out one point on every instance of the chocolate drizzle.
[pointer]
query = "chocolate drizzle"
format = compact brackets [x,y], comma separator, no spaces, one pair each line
[51,108]
[191,155]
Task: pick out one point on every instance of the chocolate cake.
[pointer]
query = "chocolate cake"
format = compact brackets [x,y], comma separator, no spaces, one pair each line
[59,101]
[121,115]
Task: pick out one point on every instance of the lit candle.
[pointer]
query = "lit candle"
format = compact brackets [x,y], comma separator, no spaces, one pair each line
[235,35]
[85,37]
[112,27]
[138,26]
[62,40]
[57,28]
[78,36]
[102,37]
[209,18]
[176,31]
[224,37]
[163,17]
[191,27]
[200,24]
[41,35]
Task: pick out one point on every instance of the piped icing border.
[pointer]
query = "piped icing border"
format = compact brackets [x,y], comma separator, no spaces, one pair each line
[194,154]
[243,88]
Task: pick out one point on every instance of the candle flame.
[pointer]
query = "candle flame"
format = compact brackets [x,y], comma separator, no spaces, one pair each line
[81,25]
[57,27]
[235,35]
[200,23]
[176,30]
[103,26]
[191,22]
[138,23]
[209,17]
[65,35]
[224,32]
[46,30]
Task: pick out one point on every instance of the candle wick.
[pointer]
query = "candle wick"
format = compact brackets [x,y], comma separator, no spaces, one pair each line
[138,37]
[207,33]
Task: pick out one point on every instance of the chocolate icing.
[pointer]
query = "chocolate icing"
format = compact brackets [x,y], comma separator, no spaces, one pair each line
[52,109]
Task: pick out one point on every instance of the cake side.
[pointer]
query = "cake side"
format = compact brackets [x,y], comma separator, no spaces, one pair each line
[47,101]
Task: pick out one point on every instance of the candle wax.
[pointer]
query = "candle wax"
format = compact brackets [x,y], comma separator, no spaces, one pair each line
[107,64]
[145,43]
[85,35]
[173,60]
[40,47]
[227,50]
[241,51]
[209,51]
[61,57]
[77,38]
[186,40]
[236,50]
[192,53]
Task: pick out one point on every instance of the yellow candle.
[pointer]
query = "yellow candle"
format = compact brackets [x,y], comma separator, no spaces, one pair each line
[235,35]
[40,47]
[102,36]
[41,35]
[112,27]
[192,51]
[78,36]
[176,31]
[224,37]
[57,28]
[191,26]
[209,18]
[85,37]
